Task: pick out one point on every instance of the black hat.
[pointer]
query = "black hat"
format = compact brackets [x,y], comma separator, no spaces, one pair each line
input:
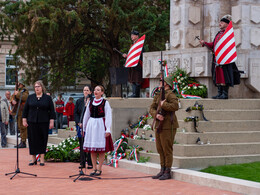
[134,32]
[226,19]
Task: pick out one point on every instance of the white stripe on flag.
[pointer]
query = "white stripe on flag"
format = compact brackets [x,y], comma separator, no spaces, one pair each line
[223,38]
[228,56]
[135,45]
[134,52]
[223,49]
[133,60]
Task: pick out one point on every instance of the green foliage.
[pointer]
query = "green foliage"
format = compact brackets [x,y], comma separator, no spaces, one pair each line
[64,40]
[64,151]
[187,84]
[247,171]
[143,159]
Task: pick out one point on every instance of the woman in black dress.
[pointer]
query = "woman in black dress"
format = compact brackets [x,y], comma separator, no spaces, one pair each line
[38,117]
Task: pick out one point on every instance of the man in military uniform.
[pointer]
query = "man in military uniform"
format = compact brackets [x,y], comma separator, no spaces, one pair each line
[165,138]
[22,93]
[226,75]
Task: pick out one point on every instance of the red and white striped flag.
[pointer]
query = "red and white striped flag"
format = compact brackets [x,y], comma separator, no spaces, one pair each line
[134,53]
[225,49]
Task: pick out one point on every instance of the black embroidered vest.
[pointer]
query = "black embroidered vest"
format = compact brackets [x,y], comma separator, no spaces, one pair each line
[97,111]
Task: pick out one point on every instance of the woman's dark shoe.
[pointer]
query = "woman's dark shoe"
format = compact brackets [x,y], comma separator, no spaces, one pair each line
[89,167]
[42,164]
[93,173]
[98,172]
[33,163]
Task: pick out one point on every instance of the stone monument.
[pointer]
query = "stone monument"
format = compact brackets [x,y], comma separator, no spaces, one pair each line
[191,18]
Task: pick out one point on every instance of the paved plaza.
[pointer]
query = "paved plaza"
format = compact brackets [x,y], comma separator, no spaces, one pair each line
[53,178]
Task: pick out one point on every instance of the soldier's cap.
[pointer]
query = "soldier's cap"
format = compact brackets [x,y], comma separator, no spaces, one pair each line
[168,80]
[226,19]
[134,32]
[21,81]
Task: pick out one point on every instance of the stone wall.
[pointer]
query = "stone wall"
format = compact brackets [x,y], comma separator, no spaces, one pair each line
[191,18]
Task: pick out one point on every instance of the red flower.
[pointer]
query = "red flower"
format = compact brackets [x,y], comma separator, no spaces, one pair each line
[180,75]
[197,84]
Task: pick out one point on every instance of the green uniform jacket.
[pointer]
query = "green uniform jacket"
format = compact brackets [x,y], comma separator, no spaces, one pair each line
[170,106]
[23,100]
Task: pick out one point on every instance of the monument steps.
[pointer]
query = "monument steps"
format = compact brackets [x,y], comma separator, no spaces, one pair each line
[232,133]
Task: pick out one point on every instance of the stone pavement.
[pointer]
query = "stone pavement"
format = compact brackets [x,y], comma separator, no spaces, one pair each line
[53,178]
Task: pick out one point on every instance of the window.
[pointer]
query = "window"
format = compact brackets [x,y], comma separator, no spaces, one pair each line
[10,71]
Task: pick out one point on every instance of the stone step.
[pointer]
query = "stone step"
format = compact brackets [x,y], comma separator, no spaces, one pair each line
[194,150]
[221,125]
[218,137]
[145,144]
[63,133]
[211,104]
[221,114]
[55,140]
[201,162]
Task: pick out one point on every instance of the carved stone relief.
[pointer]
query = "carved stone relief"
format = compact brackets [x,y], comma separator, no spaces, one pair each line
[175,38]
[255,34]
[199,63]
[236,14]
[241,64]
[156,68]
[238,37]
[255,14]
[147,68]
[254,79]
[186,64]
[176,15]
[194,14]
[192,33]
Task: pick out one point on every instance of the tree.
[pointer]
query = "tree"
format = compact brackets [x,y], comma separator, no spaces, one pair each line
[61,36]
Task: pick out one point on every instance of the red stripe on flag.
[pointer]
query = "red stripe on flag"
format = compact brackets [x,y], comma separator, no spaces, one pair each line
[231,58]
[226,52]
[224,43]
[138,53]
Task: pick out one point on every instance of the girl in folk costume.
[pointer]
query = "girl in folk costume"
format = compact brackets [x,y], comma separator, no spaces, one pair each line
[96,126]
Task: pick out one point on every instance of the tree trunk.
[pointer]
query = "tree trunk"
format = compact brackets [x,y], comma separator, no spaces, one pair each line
[115,87]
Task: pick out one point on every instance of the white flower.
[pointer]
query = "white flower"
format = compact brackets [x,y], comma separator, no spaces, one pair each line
[201,86]
[178,77]
[58,149]
[147,127]
[64,146]
[70,143]
[60,144]
[188,87]
[182,78]
[195,87]
[179,81]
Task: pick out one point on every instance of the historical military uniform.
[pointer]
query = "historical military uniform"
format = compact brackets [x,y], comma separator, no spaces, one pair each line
[224,76]
[165,138]
[23,93]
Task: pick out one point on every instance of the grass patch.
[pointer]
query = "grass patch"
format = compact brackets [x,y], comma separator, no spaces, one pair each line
[247,171]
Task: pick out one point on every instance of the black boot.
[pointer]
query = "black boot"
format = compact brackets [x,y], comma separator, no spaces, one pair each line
[21,145]
[225,93]
[159,174]
[220,91]
[166,174]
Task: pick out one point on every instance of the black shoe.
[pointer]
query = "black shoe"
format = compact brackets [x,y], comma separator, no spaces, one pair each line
[93,173]
[89,167]
[42,164]
[33,163]
[159,174]
[98,172]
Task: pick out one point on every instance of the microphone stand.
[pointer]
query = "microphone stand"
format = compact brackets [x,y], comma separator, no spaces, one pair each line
[81,173]
[17,171]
